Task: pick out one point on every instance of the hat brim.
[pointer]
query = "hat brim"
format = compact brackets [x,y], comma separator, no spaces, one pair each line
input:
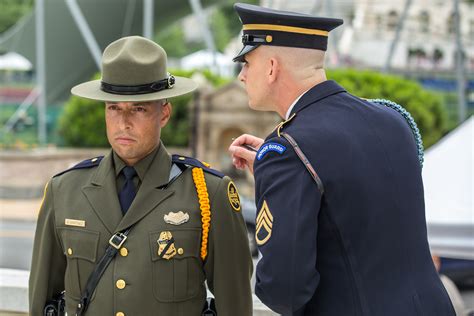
[91,90]
[245,50]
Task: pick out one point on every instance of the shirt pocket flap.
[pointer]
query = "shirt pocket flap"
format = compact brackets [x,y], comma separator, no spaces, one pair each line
[80,243]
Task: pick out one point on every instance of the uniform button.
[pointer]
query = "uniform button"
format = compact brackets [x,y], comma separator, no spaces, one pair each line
[69,251]
[123,252]
[94,159]
[182,158]
[120,314]
[120,284]
[180,251]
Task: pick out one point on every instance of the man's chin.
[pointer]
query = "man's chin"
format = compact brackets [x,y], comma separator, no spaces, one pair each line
[124,151]
[256,107]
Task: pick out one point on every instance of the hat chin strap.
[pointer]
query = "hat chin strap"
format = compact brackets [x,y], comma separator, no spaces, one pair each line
[156,86]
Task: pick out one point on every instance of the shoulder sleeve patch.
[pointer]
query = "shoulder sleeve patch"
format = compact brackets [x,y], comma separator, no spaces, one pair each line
[88,163]
[233,196]
[183,160]
[269,147]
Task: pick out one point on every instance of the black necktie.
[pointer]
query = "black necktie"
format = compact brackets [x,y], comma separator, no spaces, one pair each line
[127,194]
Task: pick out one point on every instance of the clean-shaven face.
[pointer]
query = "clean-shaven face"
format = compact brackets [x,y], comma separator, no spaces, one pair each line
[134,128]
[254,75]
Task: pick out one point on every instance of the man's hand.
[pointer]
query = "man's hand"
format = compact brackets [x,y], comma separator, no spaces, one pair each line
[241,156]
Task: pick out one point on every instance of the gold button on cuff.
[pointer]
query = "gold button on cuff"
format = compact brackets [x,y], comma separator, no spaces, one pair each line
[69,251]
[120,314]
[180,251]
[182,158]
[269,38]
[94,159]
[123,252]
[120,284]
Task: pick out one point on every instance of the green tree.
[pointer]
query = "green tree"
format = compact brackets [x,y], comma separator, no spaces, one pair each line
[82,123]
[220,30]
[426,107]
[173,41]
[11,11]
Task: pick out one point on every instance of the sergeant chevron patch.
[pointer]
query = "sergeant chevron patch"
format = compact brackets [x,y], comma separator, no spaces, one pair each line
[264,223]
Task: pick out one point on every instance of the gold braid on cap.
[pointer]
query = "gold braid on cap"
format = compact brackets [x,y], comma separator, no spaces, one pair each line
[203,195]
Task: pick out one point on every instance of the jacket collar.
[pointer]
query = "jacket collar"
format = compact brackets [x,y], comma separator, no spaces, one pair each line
[102,195]
[317,93]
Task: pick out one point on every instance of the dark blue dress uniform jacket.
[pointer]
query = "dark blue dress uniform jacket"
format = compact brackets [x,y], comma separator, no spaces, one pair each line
[360,248]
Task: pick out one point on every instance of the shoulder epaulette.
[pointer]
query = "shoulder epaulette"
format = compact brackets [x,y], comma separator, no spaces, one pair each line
[196,163]
[88,163]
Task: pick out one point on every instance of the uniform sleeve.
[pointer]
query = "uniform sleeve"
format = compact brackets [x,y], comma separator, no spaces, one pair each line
[229,265]
[288,203]
[48,263]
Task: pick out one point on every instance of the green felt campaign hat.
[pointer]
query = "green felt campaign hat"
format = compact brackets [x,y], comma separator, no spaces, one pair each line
[134,70]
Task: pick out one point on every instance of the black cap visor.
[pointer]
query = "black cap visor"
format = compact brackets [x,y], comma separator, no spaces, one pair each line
[241,55]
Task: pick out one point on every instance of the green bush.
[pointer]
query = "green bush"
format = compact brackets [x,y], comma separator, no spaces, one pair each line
[426,107]
[82,123]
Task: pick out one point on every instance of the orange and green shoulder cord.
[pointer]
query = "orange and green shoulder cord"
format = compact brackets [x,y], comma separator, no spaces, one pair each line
[205,206]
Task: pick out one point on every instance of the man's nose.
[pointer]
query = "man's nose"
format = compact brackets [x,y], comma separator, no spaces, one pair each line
[125,120]
[242,75]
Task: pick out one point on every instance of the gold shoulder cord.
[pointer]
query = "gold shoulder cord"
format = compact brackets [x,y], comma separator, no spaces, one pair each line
[44,196]
[203,195]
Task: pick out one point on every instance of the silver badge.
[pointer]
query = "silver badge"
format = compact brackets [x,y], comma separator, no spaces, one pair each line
[176,218]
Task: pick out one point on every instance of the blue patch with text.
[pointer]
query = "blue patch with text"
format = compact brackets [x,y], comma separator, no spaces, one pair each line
[266,148]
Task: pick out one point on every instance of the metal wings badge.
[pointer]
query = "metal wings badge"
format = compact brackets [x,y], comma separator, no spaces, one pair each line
[176,218]
[166,248]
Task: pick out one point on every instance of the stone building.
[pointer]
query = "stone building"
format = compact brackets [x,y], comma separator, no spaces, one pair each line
[224,114]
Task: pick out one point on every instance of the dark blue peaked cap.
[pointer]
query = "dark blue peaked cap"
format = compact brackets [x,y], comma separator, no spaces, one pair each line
[264,26]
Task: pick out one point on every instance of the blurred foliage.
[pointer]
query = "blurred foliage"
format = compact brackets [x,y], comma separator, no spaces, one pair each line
[224,24]
[23,134]
[11,11]
[173,41]
[221,32]
[82,123]
[426,107]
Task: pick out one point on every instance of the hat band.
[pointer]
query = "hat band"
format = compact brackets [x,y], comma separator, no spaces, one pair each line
[156,86]
[284,28]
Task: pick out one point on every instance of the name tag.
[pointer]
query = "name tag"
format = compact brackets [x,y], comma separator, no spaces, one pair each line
[75,222]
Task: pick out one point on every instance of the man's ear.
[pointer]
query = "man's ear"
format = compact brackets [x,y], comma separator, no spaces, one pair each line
[166,110]
[273,69]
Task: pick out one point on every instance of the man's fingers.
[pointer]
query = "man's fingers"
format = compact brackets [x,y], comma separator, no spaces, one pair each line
[242,153]
[249,140]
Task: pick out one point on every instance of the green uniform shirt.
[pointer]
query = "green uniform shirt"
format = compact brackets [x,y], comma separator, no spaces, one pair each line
[81,211]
